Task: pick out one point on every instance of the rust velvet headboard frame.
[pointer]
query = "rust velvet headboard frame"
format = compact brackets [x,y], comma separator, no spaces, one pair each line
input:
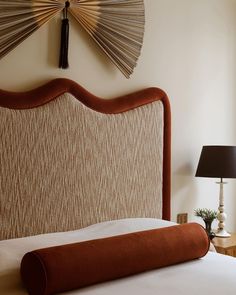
[70,159]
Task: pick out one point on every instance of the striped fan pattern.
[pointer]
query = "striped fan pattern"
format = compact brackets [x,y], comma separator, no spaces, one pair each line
[117,26]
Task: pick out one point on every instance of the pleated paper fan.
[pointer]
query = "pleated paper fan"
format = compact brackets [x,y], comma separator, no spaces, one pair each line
[117,26]
[19,19]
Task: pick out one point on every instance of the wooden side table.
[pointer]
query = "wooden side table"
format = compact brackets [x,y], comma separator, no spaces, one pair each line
[226,246]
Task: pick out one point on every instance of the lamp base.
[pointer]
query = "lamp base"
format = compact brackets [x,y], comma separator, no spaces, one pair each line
[222,233]
[221,216]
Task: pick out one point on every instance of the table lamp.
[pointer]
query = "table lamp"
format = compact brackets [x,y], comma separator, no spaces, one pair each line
[218,162]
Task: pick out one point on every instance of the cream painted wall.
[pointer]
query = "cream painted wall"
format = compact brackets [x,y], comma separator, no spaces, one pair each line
[189,51]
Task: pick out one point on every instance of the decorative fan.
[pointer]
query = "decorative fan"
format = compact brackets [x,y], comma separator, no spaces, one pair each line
[117,26]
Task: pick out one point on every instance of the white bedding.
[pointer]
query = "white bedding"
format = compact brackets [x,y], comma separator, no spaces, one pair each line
[214,273]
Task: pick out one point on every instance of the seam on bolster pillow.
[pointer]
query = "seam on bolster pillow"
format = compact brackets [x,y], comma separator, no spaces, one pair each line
[36,273]
[72,266]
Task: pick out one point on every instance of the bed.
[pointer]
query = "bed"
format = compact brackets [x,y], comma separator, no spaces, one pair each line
[76,167]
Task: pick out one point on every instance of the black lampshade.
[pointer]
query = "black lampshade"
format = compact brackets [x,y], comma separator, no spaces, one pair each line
[217,161]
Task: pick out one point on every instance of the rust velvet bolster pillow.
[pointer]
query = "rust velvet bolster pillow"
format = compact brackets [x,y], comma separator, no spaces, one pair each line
[62,268]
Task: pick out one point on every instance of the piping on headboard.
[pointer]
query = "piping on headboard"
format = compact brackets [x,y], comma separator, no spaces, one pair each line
[53,89]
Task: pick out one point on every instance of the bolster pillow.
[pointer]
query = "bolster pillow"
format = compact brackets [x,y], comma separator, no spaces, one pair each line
[63,268]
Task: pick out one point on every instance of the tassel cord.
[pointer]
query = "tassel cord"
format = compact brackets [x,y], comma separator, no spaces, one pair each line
[63,62]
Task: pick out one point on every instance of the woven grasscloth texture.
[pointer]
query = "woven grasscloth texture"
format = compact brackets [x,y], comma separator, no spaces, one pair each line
[65,166]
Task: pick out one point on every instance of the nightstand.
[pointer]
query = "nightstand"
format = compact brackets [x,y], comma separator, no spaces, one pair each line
[225,246]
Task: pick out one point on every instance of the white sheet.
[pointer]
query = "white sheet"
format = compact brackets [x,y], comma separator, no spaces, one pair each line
[213,273]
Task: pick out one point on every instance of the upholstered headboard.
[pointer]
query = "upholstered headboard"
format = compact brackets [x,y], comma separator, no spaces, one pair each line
[69,159]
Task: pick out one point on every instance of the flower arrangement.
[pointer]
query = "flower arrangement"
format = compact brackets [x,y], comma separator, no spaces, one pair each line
[208,216]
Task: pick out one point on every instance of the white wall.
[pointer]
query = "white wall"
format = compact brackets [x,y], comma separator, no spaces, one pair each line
[189,51]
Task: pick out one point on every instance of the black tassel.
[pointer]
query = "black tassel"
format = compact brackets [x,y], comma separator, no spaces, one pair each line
[63,63]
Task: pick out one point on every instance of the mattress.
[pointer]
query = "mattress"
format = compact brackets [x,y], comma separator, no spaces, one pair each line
[212,273]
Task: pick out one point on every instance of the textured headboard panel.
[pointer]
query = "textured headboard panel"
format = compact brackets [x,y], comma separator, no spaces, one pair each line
[78,159]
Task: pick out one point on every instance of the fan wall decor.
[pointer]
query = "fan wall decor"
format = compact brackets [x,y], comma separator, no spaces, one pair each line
[117,26]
